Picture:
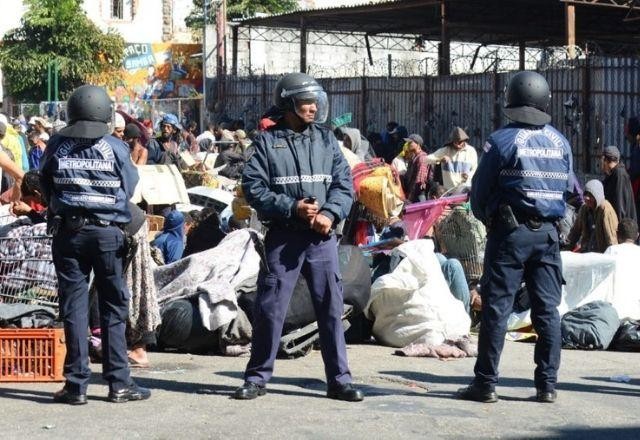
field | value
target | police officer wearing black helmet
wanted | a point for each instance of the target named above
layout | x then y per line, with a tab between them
87	181
519	192
300	185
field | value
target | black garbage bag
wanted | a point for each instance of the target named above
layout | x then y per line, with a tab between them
182	328
627	337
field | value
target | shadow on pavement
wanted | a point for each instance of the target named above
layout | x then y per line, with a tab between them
621	389
587	432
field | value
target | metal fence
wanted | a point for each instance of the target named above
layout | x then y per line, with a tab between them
591	99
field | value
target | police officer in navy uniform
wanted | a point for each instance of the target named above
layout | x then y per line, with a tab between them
87	181
300	185
519	192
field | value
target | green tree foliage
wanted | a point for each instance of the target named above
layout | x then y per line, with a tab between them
58	30
237	9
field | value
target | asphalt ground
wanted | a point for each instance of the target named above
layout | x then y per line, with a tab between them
405	398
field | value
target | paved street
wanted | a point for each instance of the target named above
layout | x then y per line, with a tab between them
406	398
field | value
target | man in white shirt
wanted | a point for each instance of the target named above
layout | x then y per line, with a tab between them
459	160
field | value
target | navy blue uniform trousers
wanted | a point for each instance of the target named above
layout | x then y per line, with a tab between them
288	254
75	254
510	257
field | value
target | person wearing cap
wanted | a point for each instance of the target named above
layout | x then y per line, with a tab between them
419	173
36	151
617	184
87	181
459	160
299	183
37	123
596	225
519	192
131	136
164	150
118	126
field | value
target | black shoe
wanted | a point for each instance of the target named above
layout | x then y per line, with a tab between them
132	392
477	394
65	396
249	391
546	396
346	392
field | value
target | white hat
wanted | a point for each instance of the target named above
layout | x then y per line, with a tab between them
118	121
46	123
58	124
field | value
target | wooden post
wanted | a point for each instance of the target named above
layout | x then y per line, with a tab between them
363	105
444	67
522	49
586	117
570	24
234	48
303	46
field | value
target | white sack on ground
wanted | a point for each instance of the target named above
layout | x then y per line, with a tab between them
414	301
589	277
213	276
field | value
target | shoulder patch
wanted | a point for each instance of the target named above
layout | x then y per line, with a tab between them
487	146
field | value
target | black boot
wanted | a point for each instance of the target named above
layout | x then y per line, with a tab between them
249	391
346	392
132	392
477	394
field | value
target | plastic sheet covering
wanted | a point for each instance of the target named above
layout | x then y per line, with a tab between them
589	277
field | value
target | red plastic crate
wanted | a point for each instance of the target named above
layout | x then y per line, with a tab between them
32	355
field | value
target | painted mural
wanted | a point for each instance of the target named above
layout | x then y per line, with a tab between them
160	71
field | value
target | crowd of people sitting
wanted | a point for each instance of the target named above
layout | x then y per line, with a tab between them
605	212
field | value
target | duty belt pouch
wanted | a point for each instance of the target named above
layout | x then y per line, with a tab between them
507	218
74	222
54	224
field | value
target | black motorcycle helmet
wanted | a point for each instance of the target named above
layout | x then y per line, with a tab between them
298	87
88	113
527	98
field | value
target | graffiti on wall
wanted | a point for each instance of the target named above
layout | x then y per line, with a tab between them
160	71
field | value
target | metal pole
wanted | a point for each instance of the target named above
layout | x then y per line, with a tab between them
56	69
49	81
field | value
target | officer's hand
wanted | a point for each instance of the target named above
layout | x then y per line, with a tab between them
321	224
306	211
20	208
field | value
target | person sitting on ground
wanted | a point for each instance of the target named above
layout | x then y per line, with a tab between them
451	268
171	240
617	184
31	203
205	234
627	238
352	140
459	160
597	222
132	137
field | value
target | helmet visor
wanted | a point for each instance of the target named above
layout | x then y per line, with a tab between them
317	98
